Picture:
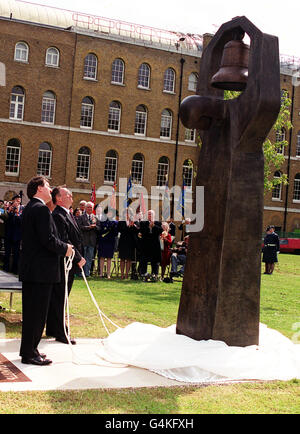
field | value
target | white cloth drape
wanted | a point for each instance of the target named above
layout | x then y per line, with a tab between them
181	358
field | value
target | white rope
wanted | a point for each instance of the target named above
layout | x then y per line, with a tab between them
68	262
101	314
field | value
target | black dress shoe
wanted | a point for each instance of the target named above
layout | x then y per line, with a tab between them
64	340
38	360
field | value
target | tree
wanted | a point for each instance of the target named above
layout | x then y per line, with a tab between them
273	154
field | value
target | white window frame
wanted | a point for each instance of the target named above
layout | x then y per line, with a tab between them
162	172
169	80
193	80
17	100
48	108
117	72
188	171
140	125
110	167
44	160
190	135
15	151
296	191
277	189
90	67
144	76
166	124
114	117
137	169
280	137
87	114
83	161
52	57
298	145
21	53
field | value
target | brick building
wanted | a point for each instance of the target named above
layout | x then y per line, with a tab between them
88	100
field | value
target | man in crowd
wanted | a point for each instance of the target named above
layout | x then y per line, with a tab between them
39	267
82	205
89	229
70	233
178	257
149	232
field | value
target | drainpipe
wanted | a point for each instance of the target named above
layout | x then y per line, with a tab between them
289	162
177	129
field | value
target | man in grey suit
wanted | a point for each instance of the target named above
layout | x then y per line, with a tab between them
68	232
89	226
39	267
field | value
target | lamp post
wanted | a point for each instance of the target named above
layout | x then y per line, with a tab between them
182	60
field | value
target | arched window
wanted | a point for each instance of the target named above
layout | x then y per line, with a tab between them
280	137
21	52
187	173
276	191
111	164
87	112
296	195
162	171
90	67
298	145
16	108
140	120
114	116
137	169
44	159
13	154
52	57
193	79
117	71
48	108
144	76
169	80
83	164
166	124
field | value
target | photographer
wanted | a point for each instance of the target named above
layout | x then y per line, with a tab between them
179	257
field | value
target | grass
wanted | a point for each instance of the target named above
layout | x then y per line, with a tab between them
157	303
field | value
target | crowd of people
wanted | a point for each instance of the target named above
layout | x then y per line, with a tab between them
139	243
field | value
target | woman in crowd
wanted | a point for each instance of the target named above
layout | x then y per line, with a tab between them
166	242
107	241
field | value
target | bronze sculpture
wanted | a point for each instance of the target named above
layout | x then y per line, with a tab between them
221	286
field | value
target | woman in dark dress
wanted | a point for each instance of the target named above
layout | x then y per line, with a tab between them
127	245
106	246
270	249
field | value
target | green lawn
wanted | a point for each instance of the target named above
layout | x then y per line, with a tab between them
157	303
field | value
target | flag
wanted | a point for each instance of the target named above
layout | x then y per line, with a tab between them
128	193
93	194
180	204
166	203
141	206
93	197
112	202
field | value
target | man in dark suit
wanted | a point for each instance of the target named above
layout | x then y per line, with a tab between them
39	267
149	232
68	232
89	226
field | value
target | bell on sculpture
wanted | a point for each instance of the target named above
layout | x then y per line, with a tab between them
233	73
